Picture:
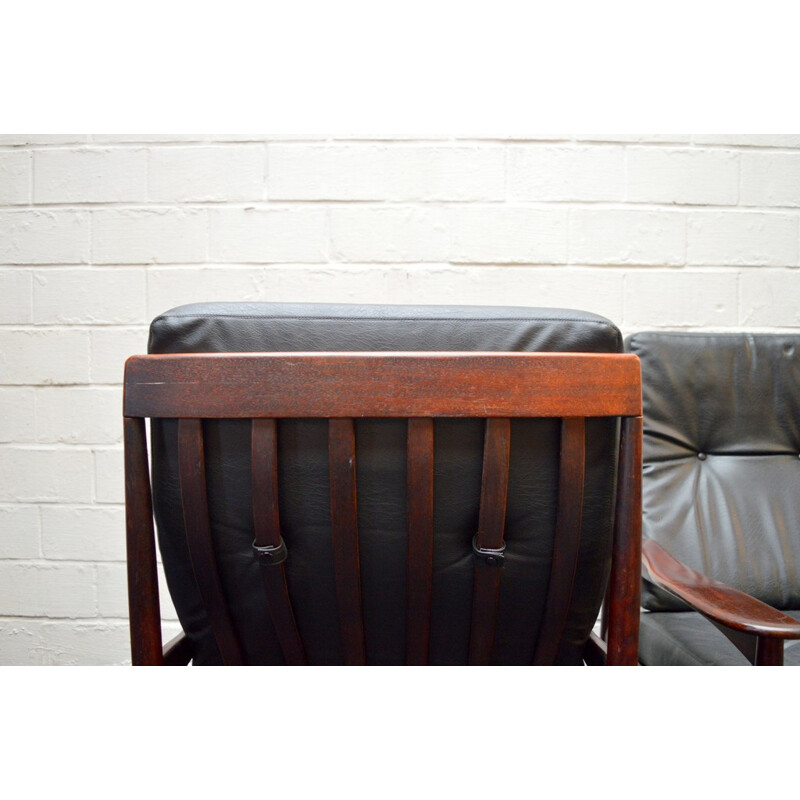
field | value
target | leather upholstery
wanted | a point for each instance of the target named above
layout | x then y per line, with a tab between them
380	461
685	638
721	466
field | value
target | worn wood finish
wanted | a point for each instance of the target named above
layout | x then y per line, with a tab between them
625	581
715	600
419	578
192	471
143	604
567	538
382	385
344	533
267	528
491	527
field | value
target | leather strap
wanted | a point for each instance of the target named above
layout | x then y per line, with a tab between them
269	544
488	545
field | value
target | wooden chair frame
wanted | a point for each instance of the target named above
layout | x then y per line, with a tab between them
419	387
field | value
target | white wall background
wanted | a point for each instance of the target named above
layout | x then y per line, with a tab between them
99	234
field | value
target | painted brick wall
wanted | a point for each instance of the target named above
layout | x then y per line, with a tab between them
98	234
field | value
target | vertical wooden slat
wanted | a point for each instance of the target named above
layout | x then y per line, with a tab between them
266	523
625	581
344	532
567	539
191	466
491	526
143	604
419	579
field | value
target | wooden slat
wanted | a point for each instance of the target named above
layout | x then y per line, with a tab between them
567	538
344	532
382	385
625	581
420	539
191	467
491	526
143	604
266	522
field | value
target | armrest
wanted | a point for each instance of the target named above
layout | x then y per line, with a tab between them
717	601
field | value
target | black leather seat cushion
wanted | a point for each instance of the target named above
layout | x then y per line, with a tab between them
721	466
685	638
304	499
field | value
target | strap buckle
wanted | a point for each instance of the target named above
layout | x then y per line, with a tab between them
487	556
271	555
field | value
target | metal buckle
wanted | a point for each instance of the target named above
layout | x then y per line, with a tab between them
487	556
271	555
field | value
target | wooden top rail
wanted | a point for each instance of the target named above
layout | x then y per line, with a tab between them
429	384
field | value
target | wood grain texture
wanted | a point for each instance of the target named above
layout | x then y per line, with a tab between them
344	532
625	582
267	528
491	527
567	539
419	580
718	601
381	385
191	468
143	601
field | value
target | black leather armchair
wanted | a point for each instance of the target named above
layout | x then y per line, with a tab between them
372	576
721	494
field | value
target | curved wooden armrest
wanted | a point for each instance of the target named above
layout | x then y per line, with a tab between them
178	651
717	601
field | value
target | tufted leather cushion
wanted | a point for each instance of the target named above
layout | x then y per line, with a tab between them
380	461
721	466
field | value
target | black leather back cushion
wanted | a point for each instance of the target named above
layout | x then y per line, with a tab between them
721	465
381	474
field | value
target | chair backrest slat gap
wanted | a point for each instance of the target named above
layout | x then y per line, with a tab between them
419	579
266	524
491	527
567	538
194	499
344	533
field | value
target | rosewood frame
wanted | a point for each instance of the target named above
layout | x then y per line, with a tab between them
415	386
756	629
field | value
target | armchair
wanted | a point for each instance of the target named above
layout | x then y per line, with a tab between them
384	485
721	508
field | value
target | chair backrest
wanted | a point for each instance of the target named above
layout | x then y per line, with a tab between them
721	466
451	507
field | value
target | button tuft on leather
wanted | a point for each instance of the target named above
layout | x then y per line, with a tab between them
702	456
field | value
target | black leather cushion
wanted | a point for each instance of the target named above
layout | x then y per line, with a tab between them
675	638
721	465
380	461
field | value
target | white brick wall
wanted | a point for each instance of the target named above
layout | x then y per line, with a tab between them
99	234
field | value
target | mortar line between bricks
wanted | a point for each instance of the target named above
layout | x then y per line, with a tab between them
456	141
281	204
